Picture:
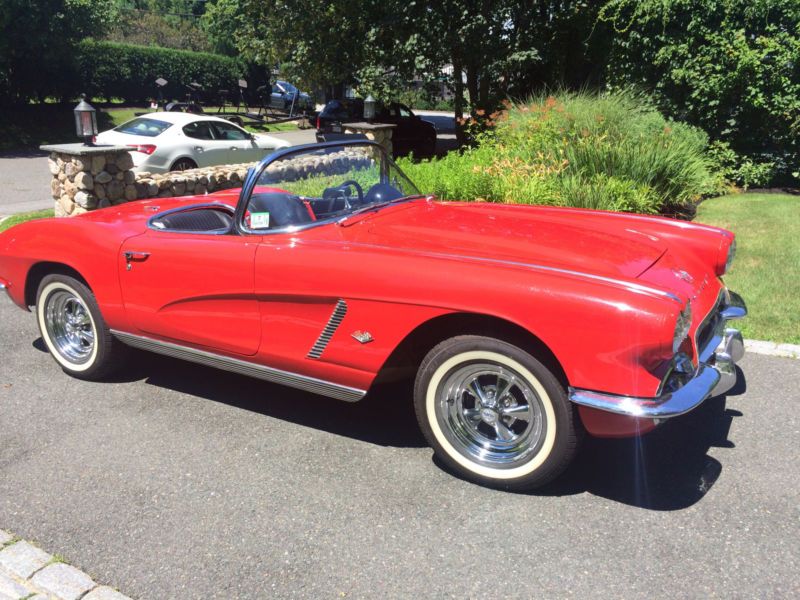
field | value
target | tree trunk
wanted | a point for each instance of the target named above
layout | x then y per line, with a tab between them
472	86
458	99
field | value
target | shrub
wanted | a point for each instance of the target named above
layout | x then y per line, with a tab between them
738	169
128	72
605	151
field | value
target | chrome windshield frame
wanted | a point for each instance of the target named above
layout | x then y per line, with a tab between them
254	174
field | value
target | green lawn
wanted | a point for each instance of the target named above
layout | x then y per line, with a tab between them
766	271
21	218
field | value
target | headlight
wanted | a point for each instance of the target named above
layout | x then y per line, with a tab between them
682	327
731	255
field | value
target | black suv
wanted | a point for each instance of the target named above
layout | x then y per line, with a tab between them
411	133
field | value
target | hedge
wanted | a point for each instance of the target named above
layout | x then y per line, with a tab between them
128	72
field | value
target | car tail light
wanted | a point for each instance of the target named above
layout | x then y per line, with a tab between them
94	139
145	148
318	122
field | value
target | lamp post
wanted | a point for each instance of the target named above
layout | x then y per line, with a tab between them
369	109
85	121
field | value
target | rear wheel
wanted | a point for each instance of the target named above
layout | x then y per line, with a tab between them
74	330
183	164
494	413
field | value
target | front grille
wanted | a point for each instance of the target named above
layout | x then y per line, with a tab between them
707	329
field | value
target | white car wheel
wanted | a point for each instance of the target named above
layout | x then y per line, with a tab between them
74	330
494	413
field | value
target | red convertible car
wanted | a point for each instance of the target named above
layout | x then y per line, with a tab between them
524	326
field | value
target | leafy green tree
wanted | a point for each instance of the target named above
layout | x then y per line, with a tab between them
317	43
731	67
221	21
37	44
155	29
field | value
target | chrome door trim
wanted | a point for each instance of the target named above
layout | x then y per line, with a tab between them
234	365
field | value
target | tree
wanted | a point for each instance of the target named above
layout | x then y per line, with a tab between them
37	44
731	67
154	29
316	43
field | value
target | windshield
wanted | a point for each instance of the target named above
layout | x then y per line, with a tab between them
322	184
145	127
287	86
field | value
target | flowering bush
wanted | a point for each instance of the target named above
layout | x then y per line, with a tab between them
606	151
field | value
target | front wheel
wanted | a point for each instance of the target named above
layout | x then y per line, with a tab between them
74	330
494	413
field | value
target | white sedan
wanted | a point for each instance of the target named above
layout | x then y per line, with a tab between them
176	141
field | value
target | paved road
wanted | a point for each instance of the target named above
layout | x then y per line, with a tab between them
24	183
181	482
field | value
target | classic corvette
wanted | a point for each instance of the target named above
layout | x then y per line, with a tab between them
525	326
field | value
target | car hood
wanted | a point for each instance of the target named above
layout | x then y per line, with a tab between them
514	234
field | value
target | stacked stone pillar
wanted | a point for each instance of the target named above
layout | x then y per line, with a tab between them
89	177
380	133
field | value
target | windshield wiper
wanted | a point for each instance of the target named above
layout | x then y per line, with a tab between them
377	206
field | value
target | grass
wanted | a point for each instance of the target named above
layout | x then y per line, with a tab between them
26	128
766	271
21	218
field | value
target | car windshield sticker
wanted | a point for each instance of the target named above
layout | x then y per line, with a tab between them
259	220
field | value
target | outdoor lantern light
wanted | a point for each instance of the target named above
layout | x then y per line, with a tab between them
85	120
369	108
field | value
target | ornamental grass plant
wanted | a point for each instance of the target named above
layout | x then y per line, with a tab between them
607	151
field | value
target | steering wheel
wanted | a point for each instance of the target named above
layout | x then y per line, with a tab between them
359	190
343	188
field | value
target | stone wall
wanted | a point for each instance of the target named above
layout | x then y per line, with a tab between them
88	178
84	182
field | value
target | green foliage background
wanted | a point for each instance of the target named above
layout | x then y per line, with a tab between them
731	67
128	72
605	151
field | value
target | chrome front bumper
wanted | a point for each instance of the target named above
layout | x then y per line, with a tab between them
715	373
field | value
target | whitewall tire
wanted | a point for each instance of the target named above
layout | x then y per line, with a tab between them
494	413
73	328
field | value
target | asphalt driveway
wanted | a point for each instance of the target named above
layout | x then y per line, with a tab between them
177	481
24	182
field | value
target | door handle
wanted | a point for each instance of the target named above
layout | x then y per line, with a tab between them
198	148
132	257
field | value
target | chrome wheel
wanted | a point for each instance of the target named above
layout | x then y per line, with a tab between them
490	414
69	326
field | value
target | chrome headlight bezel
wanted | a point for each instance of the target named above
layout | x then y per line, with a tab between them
682	326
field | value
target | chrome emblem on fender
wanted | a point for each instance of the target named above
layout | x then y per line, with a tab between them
365	337
681	274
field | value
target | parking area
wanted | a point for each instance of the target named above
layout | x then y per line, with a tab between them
177	481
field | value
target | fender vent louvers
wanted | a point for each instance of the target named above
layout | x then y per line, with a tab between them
327	333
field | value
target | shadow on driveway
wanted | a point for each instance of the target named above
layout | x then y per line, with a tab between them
668	469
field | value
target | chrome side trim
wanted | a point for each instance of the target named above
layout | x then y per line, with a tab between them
226	363
339	311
